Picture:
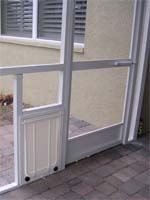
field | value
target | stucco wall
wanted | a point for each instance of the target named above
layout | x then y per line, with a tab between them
97	96
108	29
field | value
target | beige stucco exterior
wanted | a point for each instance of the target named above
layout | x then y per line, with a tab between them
97	95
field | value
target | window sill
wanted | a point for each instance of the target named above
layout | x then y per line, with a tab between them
51	44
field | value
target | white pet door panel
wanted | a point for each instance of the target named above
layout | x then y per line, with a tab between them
42	145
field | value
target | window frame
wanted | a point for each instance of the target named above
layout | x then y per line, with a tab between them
56	44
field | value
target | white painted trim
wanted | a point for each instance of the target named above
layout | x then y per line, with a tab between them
30	69
37	42
141	73
35	19
136	28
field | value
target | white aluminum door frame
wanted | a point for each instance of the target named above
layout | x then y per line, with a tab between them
134	53
144	53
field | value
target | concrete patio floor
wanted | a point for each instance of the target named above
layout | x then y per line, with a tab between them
120	173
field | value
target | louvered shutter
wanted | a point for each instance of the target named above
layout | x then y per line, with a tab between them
17	17
50	19
80	19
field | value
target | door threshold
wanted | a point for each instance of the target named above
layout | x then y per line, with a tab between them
8	188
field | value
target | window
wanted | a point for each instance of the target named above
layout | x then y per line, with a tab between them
17	18
50	19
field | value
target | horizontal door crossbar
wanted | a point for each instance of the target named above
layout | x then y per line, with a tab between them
42	110
77	66
14	70
100	64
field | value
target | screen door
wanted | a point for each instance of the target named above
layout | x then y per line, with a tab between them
78	103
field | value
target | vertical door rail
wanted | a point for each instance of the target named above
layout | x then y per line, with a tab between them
141	72
18	137
137	19
66	58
